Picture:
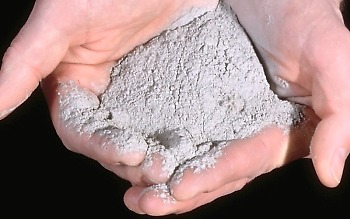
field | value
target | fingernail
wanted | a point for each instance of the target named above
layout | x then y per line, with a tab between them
337	164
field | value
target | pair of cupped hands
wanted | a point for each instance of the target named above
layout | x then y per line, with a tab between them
303	45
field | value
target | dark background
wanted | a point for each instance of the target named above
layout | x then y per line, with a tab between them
40	177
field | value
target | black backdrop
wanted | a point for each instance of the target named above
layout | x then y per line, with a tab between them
40	177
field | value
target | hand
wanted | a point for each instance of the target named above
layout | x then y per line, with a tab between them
300	56
305	48
69	52
241	162
79	40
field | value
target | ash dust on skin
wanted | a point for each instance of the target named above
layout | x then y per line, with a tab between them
76	185
183	94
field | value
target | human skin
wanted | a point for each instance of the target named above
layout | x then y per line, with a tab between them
102	31
83	51
304	45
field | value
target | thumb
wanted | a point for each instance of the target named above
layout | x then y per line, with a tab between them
330	147
33	54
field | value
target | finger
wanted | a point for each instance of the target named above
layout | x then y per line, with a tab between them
129	173
152	170
92	77
330	145
73	102
157	201
275	149
330	148
161	160
243	160
133	174
33	54
157	168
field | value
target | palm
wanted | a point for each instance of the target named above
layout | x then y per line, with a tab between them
97	39
80	32
78	40
93	44
303	46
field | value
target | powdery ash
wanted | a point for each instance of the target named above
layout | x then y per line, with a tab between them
184	93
